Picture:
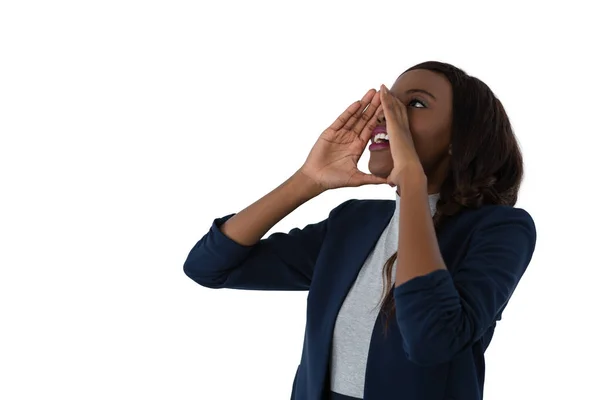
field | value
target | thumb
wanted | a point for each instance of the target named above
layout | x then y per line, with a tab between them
360	178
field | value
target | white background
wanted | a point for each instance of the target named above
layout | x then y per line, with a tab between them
128	126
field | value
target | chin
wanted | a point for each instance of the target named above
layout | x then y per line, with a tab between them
381	171
381	165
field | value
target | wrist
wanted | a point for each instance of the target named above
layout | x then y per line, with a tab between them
305	185
412	176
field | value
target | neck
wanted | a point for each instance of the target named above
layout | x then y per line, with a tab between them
433	187
430	190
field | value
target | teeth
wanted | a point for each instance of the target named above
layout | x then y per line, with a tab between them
378	138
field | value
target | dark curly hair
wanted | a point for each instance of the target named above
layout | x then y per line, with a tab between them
486	165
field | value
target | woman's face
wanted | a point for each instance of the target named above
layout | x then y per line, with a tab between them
428	98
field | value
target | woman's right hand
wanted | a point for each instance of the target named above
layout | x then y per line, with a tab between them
332	162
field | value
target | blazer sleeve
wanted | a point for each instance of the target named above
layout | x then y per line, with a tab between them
440	315
282	261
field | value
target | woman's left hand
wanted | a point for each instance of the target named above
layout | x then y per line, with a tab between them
402	145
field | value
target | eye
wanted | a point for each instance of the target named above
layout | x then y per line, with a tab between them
417	101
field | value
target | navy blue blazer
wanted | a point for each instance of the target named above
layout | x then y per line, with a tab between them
444	320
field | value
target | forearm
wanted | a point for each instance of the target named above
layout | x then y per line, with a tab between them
249	225
419	252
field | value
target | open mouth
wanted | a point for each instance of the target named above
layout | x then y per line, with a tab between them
380	138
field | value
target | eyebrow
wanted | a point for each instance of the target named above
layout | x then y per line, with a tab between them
421	91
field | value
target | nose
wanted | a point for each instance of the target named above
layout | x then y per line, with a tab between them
380	119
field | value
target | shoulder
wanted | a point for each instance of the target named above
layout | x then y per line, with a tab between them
498	224
493	215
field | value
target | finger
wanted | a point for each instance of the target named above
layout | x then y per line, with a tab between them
367	130
360	178
391	106
345	116
392	101
352	109
367	114
386	101
365	101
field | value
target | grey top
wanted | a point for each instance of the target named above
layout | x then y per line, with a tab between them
355	321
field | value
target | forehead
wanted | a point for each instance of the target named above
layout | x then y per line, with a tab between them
433	82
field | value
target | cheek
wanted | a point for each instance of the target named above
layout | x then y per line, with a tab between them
430	138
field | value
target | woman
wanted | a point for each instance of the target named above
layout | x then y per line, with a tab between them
404	295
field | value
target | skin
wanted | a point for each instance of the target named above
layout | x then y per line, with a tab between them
430	121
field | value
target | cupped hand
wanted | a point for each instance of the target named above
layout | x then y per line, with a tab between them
332	162
402	145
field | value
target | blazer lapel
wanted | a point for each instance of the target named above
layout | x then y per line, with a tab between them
350	240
